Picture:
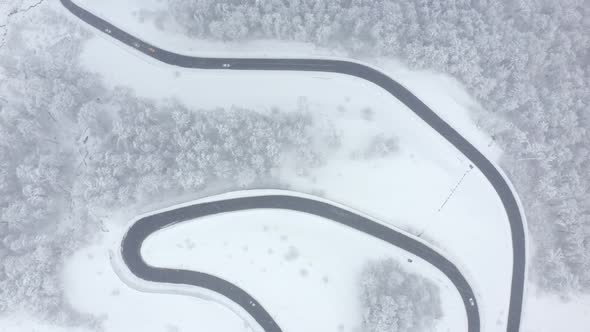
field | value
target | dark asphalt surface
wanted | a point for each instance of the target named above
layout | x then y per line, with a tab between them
138	232
342	67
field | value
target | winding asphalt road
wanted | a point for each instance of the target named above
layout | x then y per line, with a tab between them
137	233
143	228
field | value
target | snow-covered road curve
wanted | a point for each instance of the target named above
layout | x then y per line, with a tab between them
152	223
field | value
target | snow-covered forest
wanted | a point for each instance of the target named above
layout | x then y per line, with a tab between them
71	148
525	61
395	300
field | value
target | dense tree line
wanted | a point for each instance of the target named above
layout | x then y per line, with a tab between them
37	94
137	149
526	61
394	300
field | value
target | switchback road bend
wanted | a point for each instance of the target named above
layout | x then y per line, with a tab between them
143	228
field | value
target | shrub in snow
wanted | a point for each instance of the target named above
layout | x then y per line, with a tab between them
394	300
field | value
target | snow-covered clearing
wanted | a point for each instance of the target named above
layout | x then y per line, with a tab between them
406	190
95	287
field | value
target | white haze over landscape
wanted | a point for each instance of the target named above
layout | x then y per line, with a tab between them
332	136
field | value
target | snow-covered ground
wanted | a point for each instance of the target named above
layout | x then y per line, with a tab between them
406	190
95	287
549	313
25	323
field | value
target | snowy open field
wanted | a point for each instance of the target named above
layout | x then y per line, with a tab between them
406	189
95	287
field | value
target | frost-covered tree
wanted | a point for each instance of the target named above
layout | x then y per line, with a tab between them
166	147
395	300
